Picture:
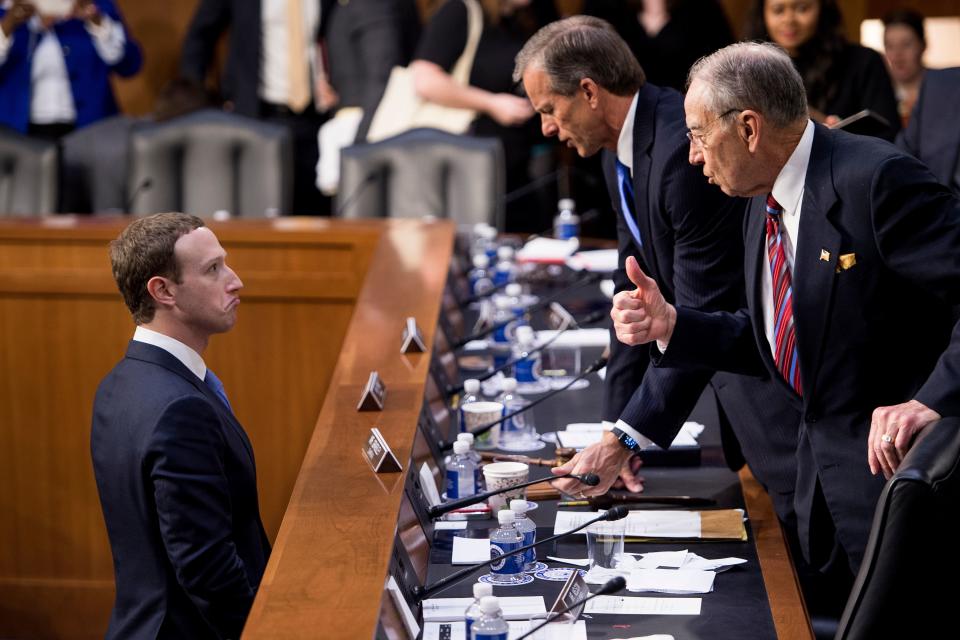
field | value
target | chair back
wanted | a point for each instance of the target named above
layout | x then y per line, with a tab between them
28	175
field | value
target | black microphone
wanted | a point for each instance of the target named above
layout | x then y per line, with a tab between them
542	304
596	316
598	364
353	195
437	510
612	585
145	185
419	593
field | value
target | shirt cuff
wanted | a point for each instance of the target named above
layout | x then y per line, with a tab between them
5	43
662	345
108	39
643	441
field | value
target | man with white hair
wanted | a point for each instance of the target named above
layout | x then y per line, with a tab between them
852	250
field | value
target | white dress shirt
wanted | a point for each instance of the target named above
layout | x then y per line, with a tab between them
190	358
51	97
625	156
788	192
274	48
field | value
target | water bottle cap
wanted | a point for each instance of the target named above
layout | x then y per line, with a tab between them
509	385
502	302
490	604
479	227
519	506
482	589
524	333
481	261
488	233
513	290
505	253
460	447
506	517
466	437
471	386
567	204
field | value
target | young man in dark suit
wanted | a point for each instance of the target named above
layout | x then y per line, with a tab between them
174	467
851	254
591	93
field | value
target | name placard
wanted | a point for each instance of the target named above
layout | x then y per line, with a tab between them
412	338
559	318
574	590
374	394
378	455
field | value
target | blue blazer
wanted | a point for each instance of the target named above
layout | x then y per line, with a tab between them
693	247
178	487
873	328
89	75
933	133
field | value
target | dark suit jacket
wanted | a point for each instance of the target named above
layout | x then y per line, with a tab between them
933	134
178	487
861	197
692	247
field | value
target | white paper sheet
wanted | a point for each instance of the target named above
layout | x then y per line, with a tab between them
470	550
579	562
576	337
670	581
432	631
428	485
694	561
629	605
547	250
640	524
409	620
567	520
655	559
580	435
513	607
598	260
442	525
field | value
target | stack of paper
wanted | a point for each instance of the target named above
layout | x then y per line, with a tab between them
548	250
601	260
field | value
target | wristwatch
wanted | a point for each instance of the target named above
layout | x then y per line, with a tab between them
626	440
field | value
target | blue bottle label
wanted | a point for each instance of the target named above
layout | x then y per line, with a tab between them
500	360
524	371
530	555
568	230
453	484
489	636
508	565
500	277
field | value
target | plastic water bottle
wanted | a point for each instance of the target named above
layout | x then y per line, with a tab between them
527	368
512	430
506	538
473	613
491	625
462	473
502	344
514	293
477	460
505	270
471	393
527	529
566	224
479	278
485	240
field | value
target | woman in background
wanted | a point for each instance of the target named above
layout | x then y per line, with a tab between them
904	43
501	112
841	78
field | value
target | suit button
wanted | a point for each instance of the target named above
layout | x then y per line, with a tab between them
811	418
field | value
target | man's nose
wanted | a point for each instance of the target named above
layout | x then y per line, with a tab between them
548	126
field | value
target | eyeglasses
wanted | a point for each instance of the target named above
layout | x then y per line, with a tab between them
698	138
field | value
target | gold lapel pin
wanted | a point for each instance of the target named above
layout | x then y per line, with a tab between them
824	255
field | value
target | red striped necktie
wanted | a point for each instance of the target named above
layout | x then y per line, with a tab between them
784	333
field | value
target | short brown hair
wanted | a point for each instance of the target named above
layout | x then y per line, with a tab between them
144	250
580	47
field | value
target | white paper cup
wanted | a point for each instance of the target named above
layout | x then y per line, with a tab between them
505	474
479	414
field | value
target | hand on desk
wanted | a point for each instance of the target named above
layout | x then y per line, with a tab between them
609	460
642	315
901	423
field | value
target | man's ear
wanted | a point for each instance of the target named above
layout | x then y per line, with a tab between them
590	91
749	128
162	291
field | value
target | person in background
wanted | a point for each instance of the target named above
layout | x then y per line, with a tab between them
841	78
904	43
933	135
501	113
666	36
55	64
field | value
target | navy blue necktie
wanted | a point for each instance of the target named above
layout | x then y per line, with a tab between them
214	383
625	184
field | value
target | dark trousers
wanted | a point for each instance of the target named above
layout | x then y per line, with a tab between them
303	127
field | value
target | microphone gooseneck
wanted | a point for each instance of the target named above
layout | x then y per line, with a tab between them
437	510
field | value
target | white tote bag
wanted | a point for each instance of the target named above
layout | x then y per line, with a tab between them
401	109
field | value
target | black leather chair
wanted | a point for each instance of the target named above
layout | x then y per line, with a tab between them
907	586
209	161
28	175
424	172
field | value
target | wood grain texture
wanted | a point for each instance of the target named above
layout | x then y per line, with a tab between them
63	326
780	578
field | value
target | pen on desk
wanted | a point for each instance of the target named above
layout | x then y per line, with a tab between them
609	499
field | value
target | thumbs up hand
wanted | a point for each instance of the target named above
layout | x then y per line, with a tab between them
642	315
